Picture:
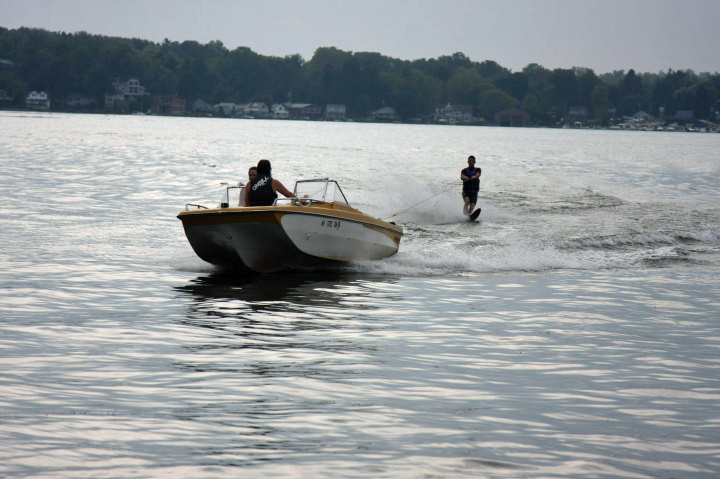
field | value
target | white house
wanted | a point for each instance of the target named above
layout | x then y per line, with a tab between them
131	87
37	100
228	109
201	106
279	111
386	113
6	64
453	114
257	110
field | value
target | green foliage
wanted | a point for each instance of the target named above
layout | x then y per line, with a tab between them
65	64
495	100
465	86
600	103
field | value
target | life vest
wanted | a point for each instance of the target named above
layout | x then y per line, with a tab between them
471	185
261	192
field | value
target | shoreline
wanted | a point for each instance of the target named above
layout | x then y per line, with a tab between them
672	128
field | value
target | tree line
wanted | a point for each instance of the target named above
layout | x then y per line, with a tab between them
64	64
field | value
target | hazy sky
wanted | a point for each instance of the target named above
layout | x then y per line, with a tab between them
605	35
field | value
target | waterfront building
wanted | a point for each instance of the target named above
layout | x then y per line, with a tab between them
168	105
37	100
278	111
386	113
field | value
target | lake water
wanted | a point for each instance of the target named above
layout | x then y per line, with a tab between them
574	331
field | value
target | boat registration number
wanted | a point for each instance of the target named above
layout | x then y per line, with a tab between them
331	224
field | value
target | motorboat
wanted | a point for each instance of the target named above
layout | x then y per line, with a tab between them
315	227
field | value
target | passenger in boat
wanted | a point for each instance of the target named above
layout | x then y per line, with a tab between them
252	174
471	185
263	190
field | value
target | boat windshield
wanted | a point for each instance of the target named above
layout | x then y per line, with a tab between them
320	190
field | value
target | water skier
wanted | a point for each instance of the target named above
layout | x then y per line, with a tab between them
471	185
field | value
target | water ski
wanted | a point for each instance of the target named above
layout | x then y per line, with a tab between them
474	215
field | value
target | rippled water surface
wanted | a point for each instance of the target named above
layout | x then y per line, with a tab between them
572	332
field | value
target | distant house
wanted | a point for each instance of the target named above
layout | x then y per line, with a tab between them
511	117
279	111
168	105
6	64
37	100
642	116
304	111
257	110
453	114
227	109
335	112
386	113
201	106
130	87
132	93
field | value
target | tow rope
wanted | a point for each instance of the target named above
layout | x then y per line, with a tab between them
421	202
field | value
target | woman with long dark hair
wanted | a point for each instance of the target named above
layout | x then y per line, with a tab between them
263	190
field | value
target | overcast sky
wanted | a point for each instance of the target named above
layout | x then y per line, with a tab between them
605	35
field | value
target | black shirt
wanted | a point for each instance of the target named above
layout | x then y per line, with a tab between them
261	192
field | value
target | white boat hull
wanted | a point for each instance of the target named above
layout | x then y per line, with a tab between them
337	239
273	238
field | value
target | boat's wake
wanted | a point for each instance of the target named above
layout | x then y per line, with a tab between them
422	257
572	228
